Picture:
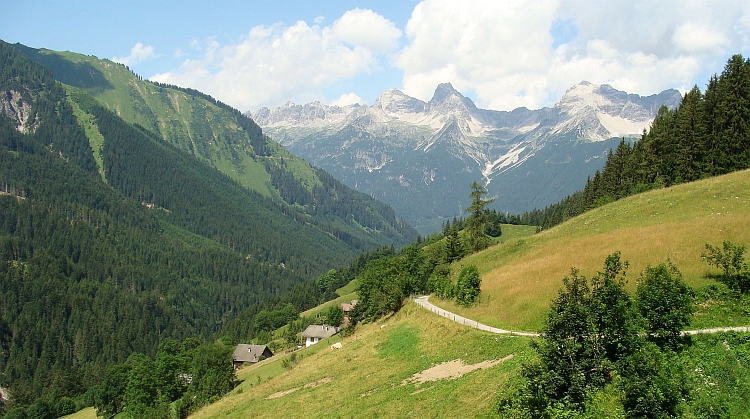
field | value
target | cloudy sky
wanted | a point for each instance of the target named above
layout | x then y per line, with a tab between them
502	54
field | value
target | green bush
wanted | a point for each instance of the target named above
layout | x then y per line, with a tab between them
467	287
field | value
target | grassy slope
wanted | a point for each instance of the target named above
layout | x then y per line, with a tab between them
521	277
87	413
190	123
367	373
346	293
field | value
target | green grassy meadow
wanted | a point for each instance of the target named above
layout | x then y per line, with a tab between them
346	293
366	377
188	122
87	413
369	376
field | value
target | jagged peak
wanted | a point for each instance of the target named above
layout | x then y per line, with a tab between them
446	93
586	95
442	92
396	101
392	94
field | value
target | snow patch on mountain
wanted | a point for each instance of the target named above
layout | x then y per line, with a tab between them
621	127
433	149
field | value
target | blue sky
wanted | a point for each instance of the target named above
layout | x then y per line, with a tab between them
503	54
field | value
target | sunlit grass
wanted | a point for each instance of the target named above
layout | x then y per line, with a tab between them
521	277
346	294
87	413
366	375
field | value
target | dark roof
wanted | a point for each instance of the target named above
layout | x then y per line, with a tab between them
319	331
250	353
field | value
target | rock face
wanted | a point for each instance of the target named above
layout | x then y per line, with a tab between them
17	111
420	157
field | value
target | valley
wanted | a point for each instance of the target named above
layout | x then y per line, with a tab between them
147	229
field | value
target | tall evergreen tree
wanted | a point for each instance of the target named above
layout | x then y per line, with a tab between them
690	129
476	223
453	247
733	118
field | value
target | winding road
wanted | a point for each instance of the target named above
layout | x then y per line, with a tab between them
423	302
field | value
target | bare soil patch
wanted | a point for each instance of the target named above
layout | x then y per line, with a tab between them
450	370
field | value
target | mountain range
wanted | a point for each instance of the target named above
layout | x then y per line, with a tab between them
420	157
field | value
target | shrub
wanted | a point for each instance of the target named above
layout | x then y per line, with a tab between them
467	287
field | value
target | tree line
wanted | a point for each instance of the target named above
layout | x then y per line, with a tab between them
706	135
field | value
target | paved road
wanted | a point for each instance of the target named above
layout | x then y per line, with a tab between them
717	330
422	301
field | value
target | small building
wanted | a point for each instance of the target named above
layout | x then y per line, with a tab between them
250	354
347	307
317	332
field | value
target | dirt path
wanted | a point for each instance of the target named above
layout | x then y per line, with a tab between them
422	302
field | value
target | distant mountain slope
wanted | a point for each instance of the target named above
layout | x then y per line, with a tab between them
232	143
112	239
420	156
88	274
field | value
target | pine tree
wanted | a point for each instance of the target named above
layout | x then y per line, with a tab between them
476	223
453	248
733	118
690	131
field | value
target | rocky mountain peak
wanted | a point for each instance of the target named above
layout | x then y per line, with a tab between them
449	100
581	96
443	91
396	102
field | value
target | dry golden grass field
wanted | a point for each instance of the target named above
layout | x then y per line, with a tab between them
521	277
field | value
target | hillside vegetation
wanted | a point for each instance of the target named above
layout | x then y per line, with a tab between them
370	375
113	240
231	143
519	279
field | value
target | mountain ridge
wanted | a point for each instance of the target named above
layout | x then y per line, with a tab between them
402	146
231	143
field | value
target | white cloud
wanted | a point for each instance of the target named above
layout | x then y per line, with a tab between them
273	64
367	29
506	53
691	38
138	54
347	99
493	48
503	51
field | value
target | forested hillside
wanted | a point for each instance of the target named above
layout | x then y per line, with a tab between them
232	143
113	240
707	135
